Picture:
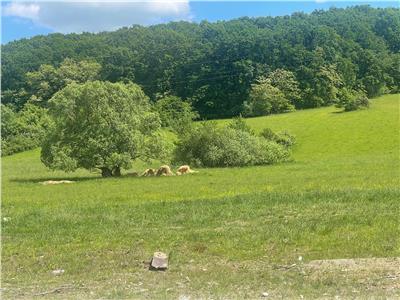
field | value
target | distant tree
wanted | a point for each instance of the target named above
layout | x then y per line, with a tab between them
265	99
45	82
325	87
175	113
328	83
78	71
394	72
15	98
373	74
286	82
214	64
348	72
101	125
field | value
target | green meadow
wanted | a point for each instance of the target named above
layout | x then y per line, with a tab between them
229	232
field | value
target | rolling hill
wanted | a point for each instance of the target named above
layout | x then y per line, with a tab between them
229	232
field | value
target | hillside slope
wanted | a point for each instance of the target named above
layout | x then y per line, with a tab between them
231	233
329	133
214	64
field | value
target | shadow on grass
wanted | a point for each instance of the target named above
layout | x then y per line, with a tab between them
75	179
338	112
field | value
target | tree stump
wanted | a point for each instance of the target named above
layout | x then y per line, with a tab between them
159	262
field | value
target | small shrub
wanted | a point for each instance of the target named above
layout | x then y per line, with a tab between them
207	145
286	139
265	99
283	138
268	134
239	123
351	100
17	144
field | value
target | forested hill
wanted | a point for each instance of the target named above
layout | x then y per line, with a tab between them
214	64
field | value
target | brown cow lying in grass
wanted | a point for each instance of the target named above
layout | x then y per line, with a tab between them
161	171
149	172
185	169
165	170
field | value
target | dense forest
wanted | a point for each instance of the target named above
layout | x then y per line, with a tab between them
213	65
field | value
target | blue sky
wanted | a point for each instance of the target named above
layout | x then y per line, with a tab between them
25	19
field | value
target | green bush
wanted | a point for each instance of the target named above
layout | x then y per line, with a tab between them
239	123
351	100
265	99
17	144
208	145
23	130
268	134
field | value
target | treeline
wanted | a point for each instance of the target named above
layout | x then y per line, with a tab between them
213	65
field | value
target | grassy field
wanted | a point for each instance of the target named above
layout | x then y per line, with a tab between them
230	233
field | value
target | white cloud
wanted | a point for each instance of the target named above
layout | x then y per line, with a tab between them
23	10
100	15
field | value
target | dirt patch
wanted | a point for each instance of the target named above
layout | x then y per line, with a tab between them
373	274
372	278
357	264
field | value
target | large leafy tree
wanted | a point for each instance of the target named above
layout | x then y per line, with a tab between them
101	125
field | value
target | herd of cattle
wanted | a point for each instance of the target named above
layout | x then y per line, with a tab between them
165	171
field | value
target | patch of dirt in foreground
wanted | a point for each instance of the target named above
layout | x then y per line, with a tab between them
372	273
357	264
359	278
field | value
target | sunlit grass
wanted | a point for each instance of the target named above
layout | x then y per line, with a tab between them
225	229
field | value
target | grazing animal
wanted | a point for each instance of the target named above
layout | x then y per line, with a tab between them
164	171
185	169
50	182
149	172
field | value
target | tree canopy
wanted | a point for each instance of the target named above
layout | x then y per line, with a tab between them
213	65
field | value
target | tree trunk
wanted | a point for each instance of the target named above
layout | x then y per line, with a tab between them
117	172
106	172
